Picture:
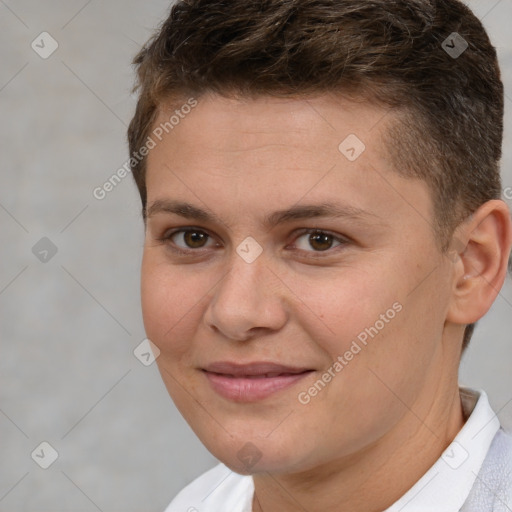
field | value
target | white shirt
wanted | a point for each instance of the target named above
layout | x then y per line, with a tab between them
474	474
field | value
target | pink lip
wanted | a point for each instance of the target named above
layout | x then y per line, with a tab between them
252	382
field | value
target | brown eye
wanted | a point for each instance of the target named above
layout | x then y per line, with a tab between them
317	240
195	239
188	239
320	241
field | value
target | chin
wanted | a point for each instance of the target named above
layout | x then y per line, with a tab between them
253	455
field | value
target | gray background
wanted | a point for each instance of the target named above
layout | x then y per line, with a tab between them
68	326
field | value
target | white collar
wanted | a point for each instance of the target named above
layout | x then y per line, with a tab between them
443	488
447	484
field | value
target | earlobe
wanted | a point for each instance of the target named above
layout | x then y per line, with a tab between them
483	246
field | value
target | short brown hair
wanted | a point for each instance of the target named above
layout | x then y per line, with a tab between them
395	53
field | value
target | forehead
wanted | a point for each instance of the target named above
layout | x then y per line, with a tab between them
268	134
264	151
233	123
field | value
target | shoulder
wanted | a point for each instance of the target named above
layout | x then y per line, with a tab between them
493	485
500	456
218	489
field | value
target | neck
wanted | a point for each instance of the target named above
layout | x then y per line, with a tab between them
372	480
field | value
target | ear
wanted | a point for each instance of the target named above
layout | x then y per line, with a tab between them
482	247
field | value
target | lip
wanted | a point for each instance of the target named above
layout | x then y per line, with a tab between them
253	381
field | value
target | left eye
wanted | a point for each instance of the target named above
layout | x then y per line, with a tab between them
318	240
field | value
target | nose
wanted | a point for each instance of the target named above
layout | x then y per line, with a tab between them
248	301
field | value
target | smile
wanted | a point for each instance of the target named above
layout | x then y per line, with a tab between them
252	382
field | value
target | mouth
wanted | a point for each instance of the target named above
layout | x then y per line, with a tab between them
252	382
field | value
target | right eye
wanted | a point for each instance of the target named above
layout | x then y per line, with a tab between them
191	240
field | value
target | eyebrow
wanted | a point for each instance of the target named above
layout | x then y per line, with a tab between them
296	212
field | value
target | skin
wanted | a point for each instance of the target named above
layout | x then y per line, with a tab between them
301	306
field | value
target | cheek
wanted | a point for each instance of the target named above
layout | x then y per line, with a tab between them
387	338
388	308
171	303
367	321
355	306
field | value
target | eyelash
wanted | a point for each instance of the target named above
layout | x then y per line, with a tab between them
166	239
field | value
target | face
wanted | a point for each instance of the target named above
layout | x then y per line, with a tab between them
290	279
